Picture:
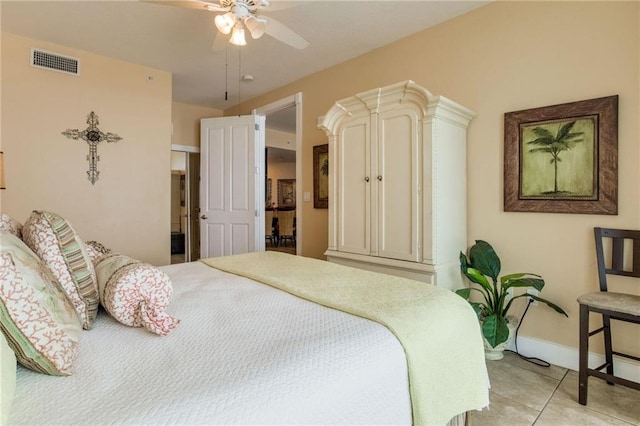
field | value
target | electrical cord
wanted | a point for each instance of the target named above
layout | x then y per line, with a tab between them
533	360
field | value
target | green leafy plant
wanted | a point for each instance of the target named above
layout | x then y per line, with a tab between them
484	264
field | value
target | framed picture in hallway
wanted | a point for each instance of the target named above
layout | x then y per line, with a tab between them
268	191
286	193
562	158
321	176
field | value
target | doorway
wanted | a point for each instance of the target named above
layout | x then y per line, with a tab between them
283	174
185	202
280	207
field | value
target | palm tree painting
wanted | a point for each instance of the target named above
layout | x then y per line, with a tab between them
559	159
321	176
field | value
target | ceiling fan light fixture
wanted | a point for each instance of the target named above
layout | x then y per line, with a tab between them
256	26
224	23
237	37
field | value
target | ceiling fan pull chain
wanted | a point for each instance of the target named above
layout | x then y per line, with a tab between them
226	72
239	76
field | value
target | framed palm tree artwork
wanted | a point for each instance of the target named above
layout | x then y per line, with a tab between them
321	176
562	158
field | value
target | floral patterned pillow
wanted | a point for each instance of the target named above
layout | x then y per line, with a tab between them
53	239
135	293
96	251
7	223
37	318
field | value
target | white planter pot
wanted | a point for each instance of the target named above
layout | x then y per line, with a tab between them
496	353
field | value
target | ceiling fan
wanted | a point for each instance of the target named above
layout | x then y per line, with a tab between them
233	16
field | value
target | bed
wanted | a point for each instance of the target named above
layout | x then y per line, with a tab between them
249	350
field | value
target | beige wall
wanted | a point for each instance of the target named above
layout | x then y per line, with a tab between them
128	207
186	122
504	57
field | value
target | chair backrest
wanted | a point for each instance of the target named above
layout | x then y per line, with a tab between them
268	218
286	222
619	262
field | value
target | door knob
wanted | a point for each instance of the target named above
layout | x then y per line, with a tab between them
380	178
204	216
366	179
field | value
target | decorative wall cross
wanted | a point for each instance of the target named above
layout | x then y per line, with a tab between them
93	136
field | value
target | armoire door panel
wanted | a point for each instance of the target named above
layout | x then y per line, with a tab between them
355	187
397	182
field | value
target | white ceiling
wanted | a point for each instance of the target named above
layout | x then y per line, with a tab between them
179	40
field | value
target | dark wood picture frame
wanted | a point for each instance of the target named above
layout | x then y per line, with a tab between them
269	192
286	193
562	158
321	176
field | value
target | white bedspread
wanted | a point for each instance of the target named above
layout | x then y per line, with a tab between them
244	353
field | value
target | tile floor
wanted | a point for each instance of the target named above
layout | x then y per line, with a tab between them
525	394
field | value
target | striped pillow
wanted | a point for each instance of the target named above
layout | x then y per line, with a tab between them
36	317
53	239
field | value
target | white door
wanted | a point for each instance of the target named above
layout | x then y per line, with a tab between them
232	171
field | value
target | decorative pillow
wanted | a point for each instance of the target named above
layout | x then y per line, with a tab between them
53	239
7	223
38	320
135	293
96	251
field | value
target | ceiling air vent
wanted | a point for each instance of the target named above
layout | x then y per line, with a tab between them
55	62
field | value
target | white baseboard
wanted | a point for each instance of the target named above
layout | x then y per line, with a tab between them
567	357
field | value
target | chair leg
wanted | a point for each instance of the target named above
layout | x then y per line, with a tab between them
606	322
584	355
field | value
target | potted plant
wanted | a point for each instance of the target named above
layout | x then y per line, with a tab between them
492	309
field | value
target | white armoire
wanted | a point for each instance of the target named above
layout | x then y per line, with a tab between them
397	183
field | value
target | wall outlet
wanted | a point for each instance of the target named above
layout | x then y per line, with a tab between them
534	292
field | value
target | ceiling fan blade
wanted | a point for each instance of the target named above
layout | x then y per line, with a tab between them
282	5
189	4
281	32
212	6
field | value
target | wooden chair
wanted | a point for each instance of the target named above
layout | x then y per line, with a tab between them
275	228
286	227
268	227
617	306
